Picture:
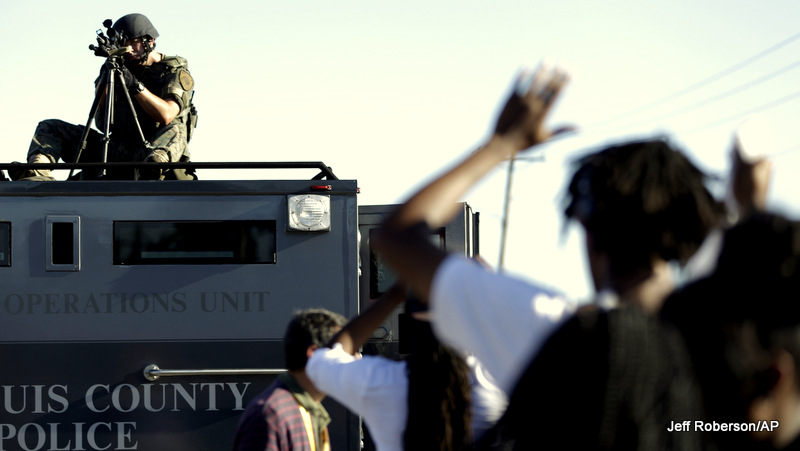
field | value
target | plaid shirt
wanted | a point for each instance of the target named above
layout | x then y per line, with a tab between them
274	421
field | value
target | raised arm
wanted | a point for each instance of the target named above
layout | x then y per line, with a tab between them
750	183
751	166
519	126
358	330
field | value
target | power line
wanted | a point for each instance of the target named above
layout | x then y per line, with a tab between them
715	98
691	88
742	114
787	151
701	83
722	121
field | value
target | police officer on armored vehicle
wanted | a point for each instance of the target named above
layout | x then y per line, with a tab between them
160	89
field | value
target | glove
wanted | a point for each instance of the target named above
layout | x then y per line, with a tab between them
134	86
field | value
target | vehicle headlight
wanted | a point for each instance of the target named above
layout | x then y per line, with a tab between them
309	212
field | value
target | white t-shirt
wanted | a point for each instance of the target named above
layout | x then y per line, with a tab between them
704	261
501	320
377	389
374	387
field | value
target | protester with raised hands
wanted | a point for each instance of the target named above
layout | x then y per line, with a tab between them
501	320
751	167
667	211
647	188
435	398
742	329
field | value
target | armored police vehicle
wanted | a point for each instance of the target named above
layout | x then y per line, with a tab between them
145	315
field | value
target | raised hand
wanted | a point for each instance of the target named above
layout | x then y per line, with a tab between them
522	119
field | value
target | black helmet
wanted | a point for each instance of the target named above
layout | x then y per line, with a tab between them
135	26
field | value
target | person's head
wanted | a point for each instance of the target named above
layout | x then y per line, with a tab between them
742	325
139	34
639	202
308	330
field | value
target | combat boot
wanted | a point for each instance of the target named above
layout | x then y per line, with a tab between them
158	156
34	174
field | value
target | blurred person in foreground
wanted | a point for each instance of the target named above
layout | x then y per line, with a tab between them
741	324
642	204
751	170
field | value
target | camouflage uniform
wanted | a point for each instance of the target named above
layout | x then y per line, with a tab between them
168	79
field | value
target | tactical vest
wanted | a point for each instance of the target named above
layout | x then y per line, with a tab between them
178	84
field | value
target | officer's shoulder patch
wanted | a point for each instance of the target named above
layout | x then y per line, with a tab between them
187	82
174	62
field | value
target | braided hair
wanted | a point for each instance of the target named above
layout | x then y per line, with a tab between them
439	412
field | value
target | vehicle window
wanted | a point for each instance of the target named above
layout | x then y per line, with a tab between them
5	244
194	242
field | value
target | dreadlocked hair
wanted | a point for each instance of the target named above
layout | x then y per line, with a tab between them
439	413
641	200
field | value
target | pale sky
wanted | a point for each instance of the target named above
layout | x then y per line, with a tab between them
391	93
